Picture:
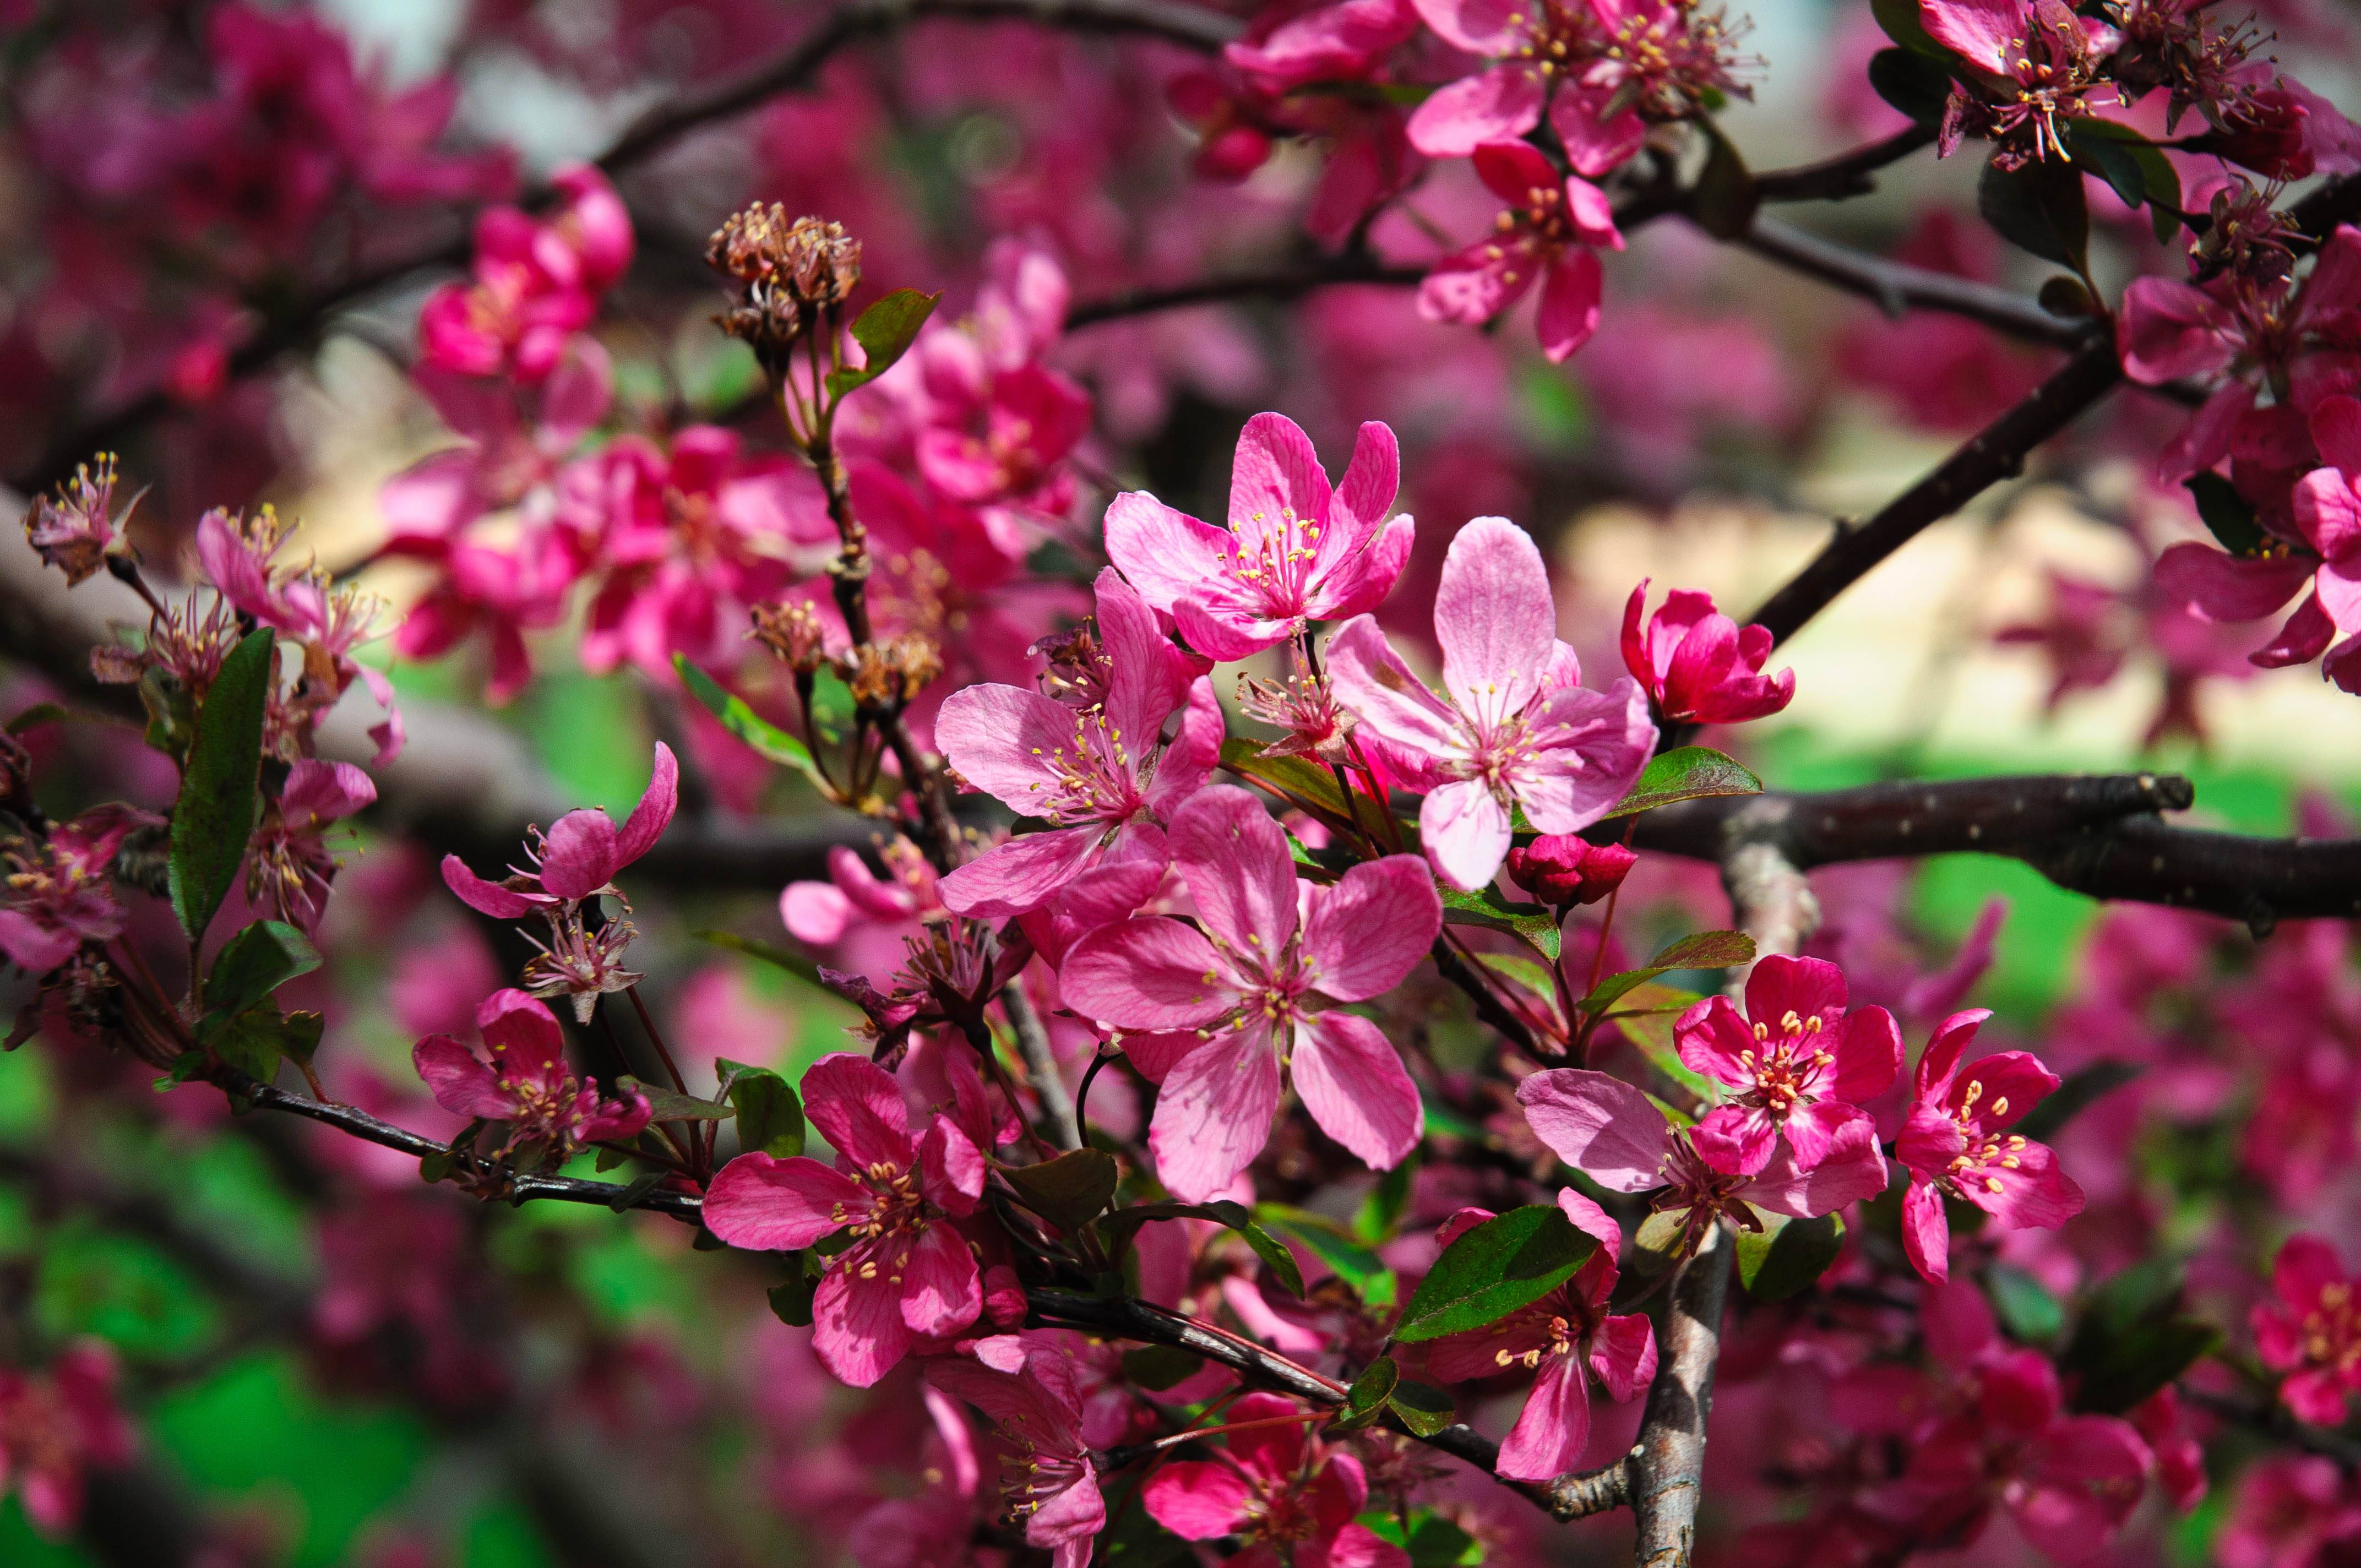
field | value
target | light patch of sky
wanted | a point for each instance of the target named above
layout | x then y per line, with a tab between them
411	38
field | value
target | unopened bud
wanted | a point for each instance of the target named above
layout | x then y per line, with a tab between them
792	632
1564	868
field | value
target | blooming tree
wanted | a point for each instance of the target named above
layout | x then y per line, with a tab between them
1327	1126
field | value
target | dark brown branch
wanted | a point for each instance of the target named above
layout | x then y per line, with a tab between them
1846	174
1897	288
1283	283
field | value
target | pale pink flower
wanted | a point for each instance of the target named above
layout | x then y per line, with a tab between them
1519	729
1803	1066
1295	551
74	529
527	1082
580	855
820	914
1568	1337
1547	234
1288	1497
1957	1144
1047	1478
1102	776
1224	1003
909	1273
1699	666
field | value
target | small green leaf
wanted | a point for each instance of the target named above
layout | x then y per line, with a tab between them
1686	773
770	1116
641	1186
793	963
791	1299
2039	208
253	964
1425	1410
1916	84
214	818
1704	949
1326	1240
1787	1255
1378	1219
1724	200
2086	1084
668	1105
253	1041
1366	1400
1901	21
885	331
2133	1339
1508	1262
2025	1305
41	713
1157	1367
765	737
2228	516
1651	1035
1532	924
2113	159
1313	786
1274	1253
1070	1190
1119	1226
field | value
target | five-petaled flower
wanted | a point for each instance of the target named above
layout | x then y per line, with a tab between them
1956	1144
1519	729
1228	1004
1803	1066
526	1083
2038	63
2311	1331
578	857
1567	1336
1548	232
1101	775
1034	1397
909	1274
1287	1497
60	893
1700	666
1296	550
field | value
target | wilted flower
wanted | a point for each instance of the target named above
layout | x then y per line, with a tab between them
74	529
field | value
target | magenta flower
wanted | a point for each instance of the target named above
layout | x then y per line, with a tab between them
1804	1066
1957	1144
1295	551
1568	1337
2038	63
1519	729
1241	985
820	914
74	529
909	1273
60	892
1006	437
1047	1479
578	858
535	285
513	442
1287	1497
1613	1134
1536	47
1344	41
1698	665
1547	231
2311	1331
1564	868
289	867
57	1426
527	1083
1102	776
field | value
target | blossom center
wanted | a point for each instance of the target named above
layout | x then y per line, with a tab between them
1983	1152
1274	558
1784	1071
1096	781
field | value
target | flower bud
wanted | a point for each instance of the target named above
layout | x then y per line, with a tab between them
792	632
1564	868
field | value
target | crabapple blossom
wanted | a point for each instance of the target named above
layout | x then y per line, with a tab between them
1286	1497
526	1083
1518	731
1797	1063
1226	1007
908	1274
1698	665
1295	550
74	529
1957	1144
1548	233
289	867
1047	1478
1562	869
2035	62
2311	1331
580	855
1538	47
59	893
1569	1336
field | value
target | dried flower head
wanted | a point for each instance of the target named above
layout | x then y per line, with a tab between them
792	632
74	529
886	674
791	270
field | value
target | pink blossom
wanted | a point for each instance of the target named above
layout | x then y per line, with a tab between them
578	858
1698	665
1345	41
2290	1510
820	914
1047	1481
537	284
60	891
2311	1331
289	867
1565	869
1565	1334
1797	1063
513	440
909	1273
1613	1134
1957	1144
1225	1003
2162	1422
504	592
1102	776
57	1426
2038	63
74	529
1295	551
1519	729
1287	1497
1547	233
1535	46
527	1083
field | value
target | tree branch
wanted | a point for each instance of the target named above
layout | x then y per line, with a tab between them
1846	174
1667	1464
1897	288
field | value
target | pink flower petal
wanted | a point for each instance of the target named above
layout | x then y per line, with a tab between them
856	1105
1352	1084
857	1328
578	855
1197	1499
1213	1115
1021	874
1365	933
1466	832
1371	678
941	1290
1494	618
484	897
1550	1434
459	1080
1277	472
1600	1125
1624	1355
1151	972
1569	311
654	812
1498	105
779	1205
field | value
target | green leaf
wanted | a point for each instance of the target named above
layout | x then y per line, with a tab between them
641	1186
2228	516
1366	1400
1274	1253
2025	1305
793	963
669	1105
2133	1339
1917	84
1725	199
1329	1242
885	331
1119	1226
2039	208
1425	1410
1378	1219
1307	782
1431	1541
770	1116
791	1300
1704	949
1070	1190
765	737
2042	1122
1651	1035
2113	159
1787	1255
1686	773
41	713
1532	924
253	964
214	815
1902	23
253	1041
1508	1262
